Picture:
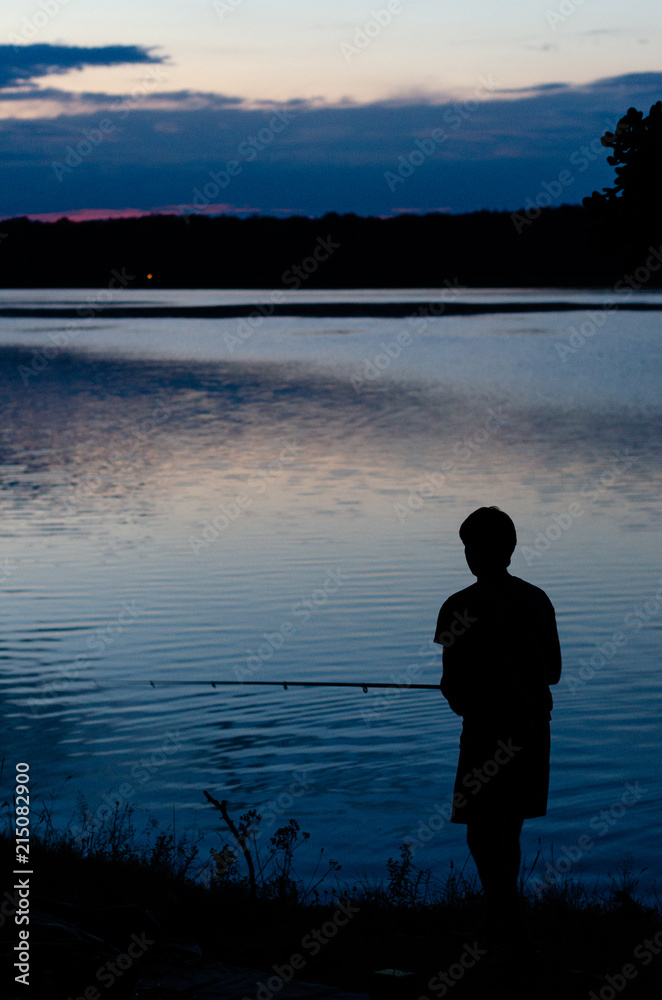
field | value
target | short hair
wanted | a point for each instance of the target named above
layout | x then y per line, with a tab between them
489	528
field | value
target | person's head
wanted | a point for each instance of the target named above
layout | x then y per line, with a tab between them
489	539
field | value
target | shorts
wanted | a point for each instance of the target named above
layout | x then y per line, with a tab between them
502	773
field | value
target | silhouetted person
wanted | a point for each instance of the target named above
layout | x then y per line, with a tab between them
501	653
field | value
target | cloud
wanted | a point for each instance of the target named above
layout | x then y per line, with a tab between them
86	102
603	31
651	81
541	46
167	149
536	88
20	64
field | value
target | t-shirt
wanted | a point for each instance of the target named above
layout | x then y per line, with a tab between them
501	651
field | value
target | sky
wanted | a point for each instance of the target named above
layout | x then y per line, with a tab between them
305	106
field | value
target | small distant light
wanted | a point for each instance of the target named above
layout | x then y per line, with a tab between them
149	276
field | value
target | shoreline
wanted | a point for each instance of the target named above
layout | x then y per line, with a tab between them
378	310
143	911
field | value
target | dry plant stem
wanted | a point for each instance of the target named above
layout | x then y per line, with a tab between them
222	807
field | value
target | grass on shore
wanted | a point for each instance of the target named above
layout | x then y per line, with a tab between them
110	879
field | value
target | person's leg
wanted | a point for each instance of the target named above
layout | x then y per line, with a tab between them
510	834
494	846
483	842
512	856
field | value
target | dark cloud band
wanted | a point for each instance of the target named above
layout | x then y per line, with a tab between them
20	64
208	153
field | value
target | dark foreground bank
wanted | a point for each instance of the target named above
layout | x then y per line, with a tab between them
110	919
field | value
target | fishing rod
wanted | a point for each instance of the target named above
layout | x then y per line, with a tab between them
286	684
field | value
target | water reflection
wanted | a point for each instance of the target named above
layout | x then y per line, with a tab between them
119	483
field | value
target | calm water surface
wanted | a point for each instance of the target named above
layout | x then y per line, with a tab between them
197	500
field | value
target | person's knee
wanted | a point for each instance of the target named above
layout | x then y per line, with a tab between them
508	831
478	830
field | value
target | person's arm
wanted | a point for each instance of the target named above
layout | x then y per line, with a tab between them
449	685
553	647
450	680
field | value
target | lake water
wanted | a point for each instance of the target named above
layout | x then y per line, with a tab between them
188	500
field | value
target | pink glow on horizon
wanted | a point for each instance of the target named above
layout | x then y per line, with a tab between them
90	214
87	214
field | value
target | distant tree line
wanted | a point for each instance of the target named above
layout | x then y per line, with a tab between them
335	251
591	245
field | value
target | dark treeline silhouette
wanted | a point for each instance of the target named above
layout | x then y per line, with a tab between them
590	245
628	215
548	247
